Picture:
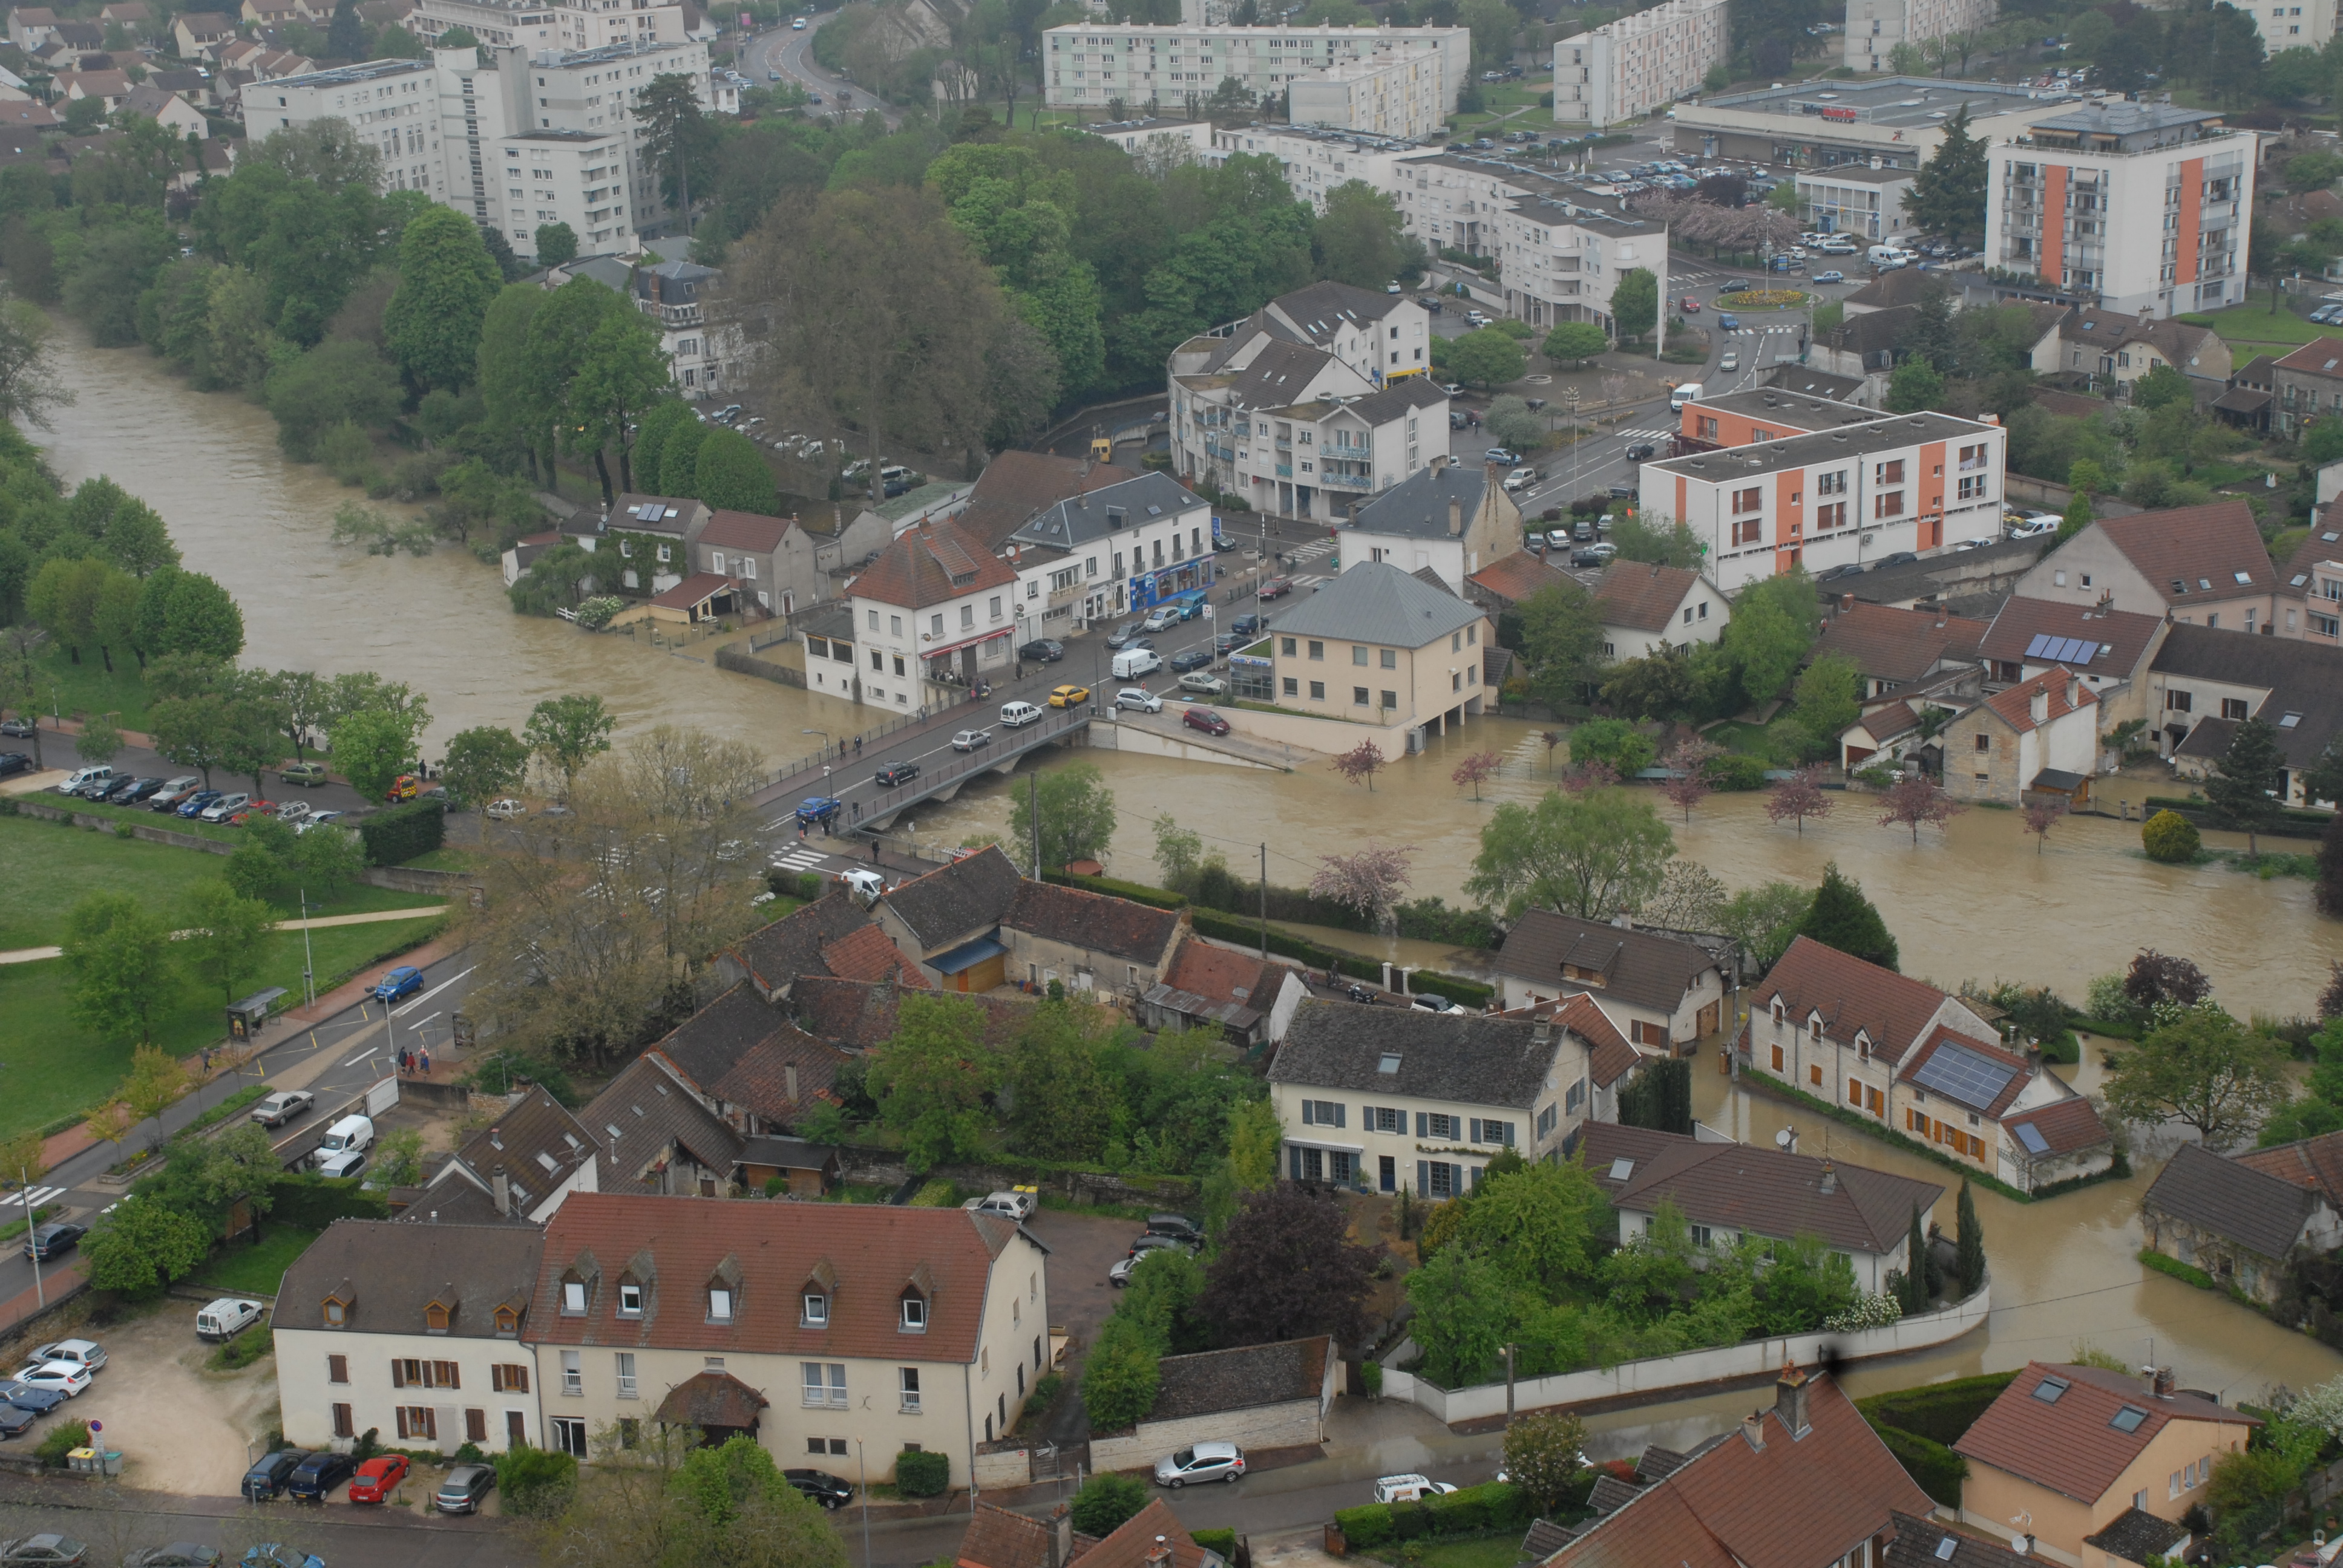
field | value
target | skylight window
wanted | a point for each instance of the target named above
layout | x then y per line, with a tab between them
2049	1390
2127	1419
2207	583
1947	1547
1621	1169
2290	720
2245	578
1390	1063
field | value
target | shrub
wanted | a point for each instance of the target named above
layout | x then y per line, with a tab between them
939	1193
922	1474
243	1350
1371	1378
61	1439
1734	770
399	835
2170	838
1223	1542
313	1201
536	1483
1455	987
1105	1502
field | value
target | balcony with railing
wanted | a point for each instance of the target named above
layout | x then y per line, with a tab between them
1221	449
1348	481
1285	470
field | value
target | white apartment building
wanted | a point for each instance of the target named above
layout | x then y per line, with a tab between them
1400	92
576	177
1920	482
394	105
933	608
2146	205
1865	200
554	24
1315	161
1624	69
1089	64
1874	27
2290	27
1112	551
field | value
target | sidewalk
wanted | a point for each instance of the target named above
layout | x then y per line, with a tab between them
33	955
56	1284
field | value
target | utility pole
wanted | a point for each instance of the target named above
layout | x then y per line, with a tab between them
1509	1388
1264	902
1033	798
32	1236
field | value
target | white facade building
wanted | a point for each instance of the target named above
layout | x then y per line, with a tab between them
393	104
1111	551
1399	93
1919	482
563	24
1089	64
2290	27
1874	27
2146	205
1624	69
1863	200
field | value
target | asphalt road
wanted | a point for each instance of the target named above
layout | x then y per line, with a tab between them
790	52
114	1522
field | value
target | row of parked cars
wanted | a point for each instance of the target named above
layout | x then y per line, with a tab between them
187	796
307	1476
51	1549
52	1374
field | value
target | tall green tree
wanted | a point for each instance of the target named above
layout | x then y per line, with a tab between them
1773	623
2245	783
2204	1070
1562	641
1487	357
222	936
558	333
1968	1243
1841	918
373	747
1635	303
1360	239
346	37
507	390
557	244
932	1076
731	475
567	732
447	281
1590	855
676	133
666	417
483	763
1948	194
118	962
1065	1104
1076	814
622	372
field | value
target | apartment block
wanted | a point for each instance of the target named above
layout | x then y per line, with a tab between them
394	105
1400	92
1088	64
2146	205
2290	27
1918	482
557	24
1624	69
1874	27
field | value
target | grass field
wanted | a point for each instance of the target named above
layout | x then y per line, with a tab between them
1488	1552
87	689
255	1270
58	1068
2256	324
48	868
1735	736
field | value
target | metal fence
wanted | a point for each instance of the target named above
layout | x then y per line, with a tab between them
1005	744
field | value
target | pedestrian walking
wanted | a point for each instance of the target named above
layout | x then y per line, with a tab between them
423	1060
874	851
405	1062
858	809
858	746
207	1062
801	829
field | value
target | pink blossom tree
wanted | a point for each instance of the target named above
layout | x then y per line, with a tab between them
1370	881
1581	776
1914	798
2041	816
1360	764
1797	798
1687	783
1477	769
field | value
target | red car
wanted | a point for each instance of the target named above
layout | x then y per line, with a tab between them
1689	306
1205	719
257	809
1277	588
376	1478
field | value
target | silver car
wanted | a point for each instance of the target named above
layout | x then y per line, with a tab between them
1200	1462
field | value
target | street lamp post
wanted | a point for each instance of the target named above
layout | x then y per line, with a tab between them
32	1238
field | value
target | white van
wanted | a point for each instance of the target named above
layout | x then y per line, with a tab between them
227	1317
1687	392
82	775
1134	662
1887	257
351	1133
1014	715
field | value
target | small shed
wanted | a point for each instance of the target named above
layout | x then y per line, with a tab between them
246	1017
806	1170
1258	1396
703	596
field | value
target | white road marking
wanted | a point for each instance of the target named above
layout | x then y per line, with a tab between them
35	1199
427	996
364	1057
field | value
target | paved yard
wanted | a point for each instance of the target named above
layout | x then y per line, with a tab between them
1082	1248
180	1427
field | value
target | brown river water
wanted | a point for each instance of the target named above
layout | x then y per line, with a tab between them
1974	901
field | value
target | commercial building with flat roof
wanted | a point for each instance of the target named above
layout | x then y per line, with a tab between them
1860	199
1818	123
1624	69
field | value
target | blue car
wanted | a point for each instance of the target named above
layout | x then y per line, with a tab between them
404	980
23	1396
194	805
269	1554
1729	323
817	809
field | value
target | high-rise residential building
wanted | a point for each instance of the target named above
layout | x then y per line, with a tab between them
2291	27
1087	65
1400	93
1624	69
554	23
2144	206
1874	27
528	138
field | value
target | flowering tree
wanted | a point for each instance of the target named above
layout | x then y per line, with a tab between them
1687	784
1476	769
2042	816
1797	798
1360	764
1913	799
1582	777
1369	881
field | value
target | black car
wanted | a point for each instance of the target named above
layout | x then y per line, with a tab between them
318	1474
1152	1241
1120	636
1190	658
1641	451
50	1240
895	775
1590	556
1043	651
822	1486
1851	569
14	762
1900	557
464	1486
1245	625
140	789
15	1421
177	1554
267	1478
25	1396
15	729
1227	643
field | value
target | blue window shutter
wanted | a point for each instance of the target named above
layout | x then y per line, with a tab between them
1475	1131
1508	1138
1294	1158
1366	1118
1423	1171
1338	1113
1309	1109
1422	1127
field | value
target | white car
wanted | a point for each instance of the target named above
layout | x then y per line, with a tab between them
227	805
1732	360
2036	527
1200	1463
1520	480
506	809
1017	715
292	811
1138	698
81	1353
1408	1488
1161	620
970	739
798	26
1014	1202
67	1378
80	775
317	819
1202	684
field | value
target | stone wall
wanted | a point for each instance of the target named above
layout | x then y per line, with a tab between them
1288	1425
1007	1463
1964	762
739	663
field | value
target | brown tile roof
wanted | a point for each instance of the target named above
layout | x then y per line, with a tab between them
1850	995
2105	329
866	954
2249	1205
745	532
759	1081
931	564
538	1142
1016	485
388	1273
1641	596
2323	543
1212	1381
643	1117
998	1537
2201	547
1903	286
1749	1187
859	1015
793	945
2320	356
1899	646
952	901
704	1046
1639	968
1610	1056
1792	1503
2066	690
1132	1542
711	1398
2066	1127
1889	720
694	588
1222	974
1517	575
766	1252
2119	639
2313	1162
2070	1445
1096	922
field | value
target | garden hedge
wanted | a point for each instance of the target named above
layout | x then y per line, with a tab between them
1919	1426
1468	1510
1734	770
922	1474
313	1203
401	833
1223	1542
2170	838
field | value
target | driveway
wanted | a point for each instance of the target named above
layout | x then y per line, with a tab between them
1082	1248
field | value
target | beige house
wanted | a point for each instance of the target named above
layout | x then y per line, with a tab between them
774	561
2201	566
1382	646
1663	993
169	110
2040	738
1648	609
2083	1455
411	1332
200	33
933	615
2113	346
977	923
811	1327
2202	684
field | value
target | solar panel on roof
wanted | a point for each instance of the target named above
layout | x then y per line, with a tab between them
1971	1079
2031	1136
2041	640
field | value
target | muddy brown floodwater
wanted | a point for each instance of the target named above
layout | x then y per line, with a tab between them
1974	901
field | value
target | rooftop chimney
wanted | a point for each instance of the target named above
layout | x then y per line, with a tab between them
499	1184
1456	511
1160	1554
1790	1399
2038	705
1752	1430
789	1075
1846	601
2073	692
1830	1178
2163	1383
2033	1057
1062	1535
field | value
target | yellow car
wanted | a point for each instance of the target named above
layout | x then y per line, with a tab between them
1068	696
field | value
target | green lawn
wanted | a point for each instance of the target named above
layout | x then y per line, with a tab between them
448	857
255	1270
58	1068
1735	736
48	868
88	688
2254	323
1487	1552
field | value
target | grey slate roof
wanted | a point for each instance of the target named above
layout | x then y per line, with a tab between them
1320	310
1417	507
388	1272
1639	968
953	900
2258	1212
1919	1540
538	1142
1379	603
791	947
2135	1535
1078	520
643	1114
1342	1045
1279	375
2304	678
1214	1380
1749	1187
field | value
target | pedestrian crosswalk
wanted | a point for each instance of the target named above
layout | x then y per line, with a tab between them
800	859
35	1198
1634	435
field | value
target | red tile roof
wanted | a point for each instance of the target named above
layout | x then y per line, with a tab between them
2202	548
1016	485
745	532
1153	1527
997	1537
934	563
2067	1126
1641	596
1851	995
766	1253
2066	691
2313	1162
866	954
2320	356
2119	639
1224	975
2071	1445
1514	576
1899	646
694	588
1611	1058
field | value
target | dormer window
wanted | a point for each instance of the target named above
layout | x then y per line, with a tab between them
573	1298
817	1312
435	1318
915	1314
336	1314
719	1304
1778	1010
508	1320
631	1301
